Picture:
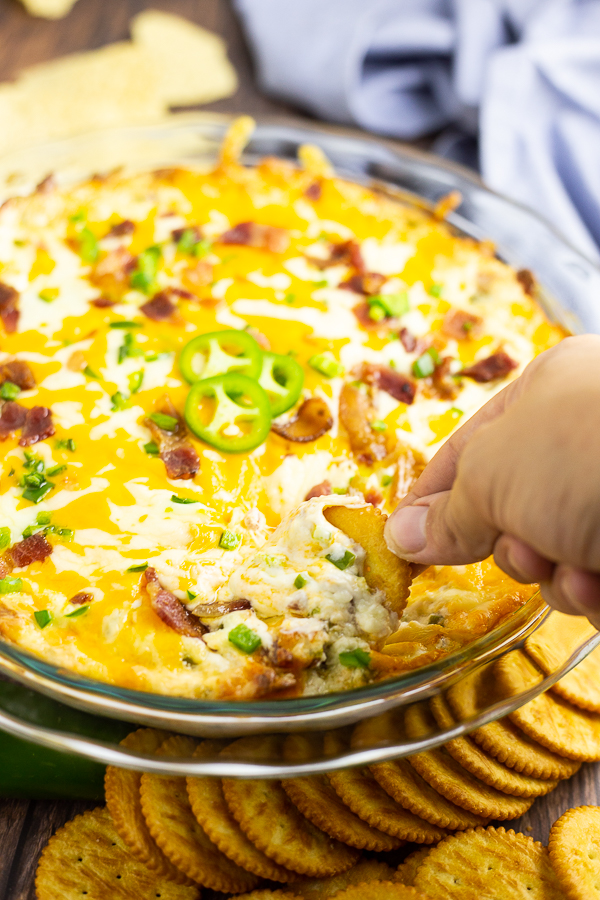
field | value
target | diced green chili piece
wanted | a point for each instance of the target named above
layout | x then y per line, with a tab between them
9	391
90	373
4	537
435	619
326	364
300	581
125	323
393	305
177	499
281	377
151	448
376	312
340	490
68	444
42	617
135	381
36	495
229	540
230	412
378	425
55	470
426	363
189	244
218	352
10	585
77	612
167	423
147	268
43	518
191	595
138	568
119	401
88	246
436	290
386	480
244	638
342	562
355	659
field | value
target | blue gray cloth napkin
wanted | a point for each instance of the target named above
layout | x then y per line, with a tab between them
523	74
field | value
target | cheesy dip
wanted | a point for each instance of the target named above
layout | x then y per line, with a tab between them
196	367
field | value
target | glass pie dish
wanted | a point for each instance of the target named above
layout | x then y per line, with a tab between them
522	239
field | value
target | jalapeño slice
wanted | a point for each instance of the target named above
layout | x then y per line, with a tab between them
230	412
218	352
282	379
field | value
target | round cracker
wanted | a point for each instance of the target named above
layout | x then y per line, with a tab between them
380	890
481	764
177	832
366	798
316	799
454	782
502	739
210	809
122	791
485	862
271	821
88	858
551	646
407	870
574	849
364	870
548	719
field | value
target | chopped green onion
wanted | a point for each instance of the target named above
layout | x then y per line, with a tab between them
10	585
326	364
355	659
177	499
244	638
119	401
436	290
36	495
88	246
49	294
42	617
55	470
129	348
188	240
151	448
191	595
376	312
290	298
79	216
342	562
393	305
68	444
43	518
139	568
167	423
229	540
426	363
147	268
90	373
4	537
151	356
125	323
378	425
386	480
135	381
201	248
300	581
77	612
29	531
436	619
9	391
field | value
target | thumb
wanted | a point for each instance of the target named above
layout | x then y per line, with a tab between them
441	529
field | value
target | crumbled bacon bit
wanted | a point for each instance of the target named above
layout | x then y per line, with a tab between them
313	191
442	382
181	463
199	273
121	229
368	283
398	386
160	308
9	308
46	185
221	608
181	293
356	414
38	426
311	421
118	263
362	313
263	237
12	417
527	281
19	373
374	497
460	324
178	233
343	253
320	490
34	548
81	598
102	302
170	609
496	366
178	455
408	340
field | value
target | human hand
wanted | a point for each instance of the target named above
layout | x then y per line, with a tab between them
521	480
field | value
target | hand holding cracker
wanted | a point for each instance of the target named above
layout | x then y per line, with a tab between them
520	480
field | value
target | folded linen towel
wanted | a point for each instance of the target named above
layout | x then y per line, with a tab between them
524	73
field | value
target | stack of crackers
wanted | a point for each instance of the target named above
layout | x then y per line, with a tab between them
319	836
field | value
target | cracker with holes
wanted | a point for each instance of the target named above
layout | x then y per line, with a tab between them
87	858
574	849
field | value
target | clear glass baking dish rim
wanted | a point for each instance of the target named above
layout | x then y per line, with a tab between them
320	711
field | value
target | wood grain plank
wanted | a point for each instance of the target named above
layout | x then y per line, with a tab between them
13	814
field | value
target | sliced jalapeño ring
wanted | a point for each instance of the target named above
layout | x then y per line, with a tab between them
230	412
282	378
218	352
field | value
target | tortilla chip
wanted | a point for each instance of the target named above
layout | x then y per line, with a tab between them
383	570
380	890
314	161
451	780
122	790
502	739
486	861
234	142
407	870
548	719
87	857
173	826
366	798
479	763
557	638
316	799
271	821
191	63
209	806
323	888
48	9
574	849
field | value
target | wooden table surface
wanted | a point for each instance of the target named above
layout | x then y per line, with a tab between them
26	826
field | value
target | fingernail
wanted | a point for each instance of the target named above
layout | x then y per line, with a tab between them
405	530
